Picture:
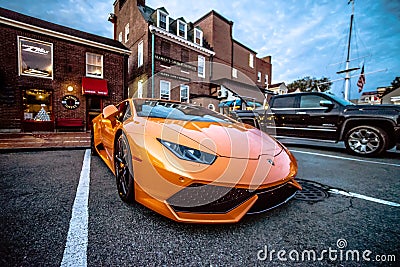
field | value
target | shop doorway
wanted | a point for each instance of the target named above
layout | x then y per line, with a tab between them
94	106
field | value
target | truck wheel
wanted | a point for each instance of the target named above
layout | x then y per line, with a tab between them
366	140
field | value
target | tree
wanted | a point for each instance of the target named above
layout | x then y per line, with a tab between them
308	84
396	83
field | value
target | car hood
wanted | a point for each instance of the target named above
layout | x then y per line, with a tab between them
232	140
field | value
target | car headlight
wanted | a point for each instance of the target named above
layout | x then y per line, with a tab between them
187	153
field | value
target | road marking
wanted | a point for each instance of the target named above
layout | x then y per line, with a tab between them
344	158
77	239
376	200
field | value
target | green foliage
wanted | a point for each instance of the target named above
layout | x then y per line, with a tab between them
308	84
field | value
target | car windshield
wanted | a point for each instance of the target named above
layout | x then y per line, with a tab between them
176	111
341	101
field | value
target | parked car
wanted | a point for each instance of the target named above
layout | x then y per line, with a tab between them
366	130
192	164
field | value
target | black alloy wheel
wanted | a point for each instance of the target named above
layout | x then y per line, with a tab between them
124	177
366	141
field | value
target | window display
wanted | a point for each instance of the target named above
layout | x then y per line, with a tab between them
37	105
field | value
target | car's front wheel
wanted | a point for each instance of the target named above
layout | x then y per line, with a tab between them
366	140
123	173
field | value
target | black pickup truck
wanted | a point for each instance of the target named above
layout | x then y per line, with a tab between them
367	130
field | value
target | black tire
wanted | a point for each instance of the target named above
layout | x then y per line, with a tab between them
123	172
93	150
366	140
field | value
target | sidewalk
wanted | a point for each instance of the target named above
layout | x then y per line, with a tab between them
44	140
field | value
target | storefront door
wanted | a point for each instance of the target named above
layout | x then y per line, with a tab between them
94	107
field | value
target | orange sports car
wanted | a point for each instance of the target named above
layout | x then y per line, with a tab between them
192	164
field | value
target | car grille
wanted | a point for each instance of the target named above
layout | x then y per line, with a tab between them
200	198
270	198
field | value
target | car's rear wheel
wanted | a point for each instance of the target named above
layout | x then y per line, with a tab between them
93	150
366	140
123	171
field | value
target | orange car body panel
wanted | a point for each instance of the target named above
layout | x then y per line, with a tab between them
246	158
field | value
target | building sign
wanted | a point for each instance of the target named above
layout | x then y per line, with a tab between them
35	58
70	102
174	76
175	62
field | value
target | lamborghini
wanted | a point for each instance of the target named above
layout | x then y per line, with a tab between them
192	164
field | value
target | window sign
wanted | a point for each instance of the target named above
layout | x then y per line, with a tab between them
35	58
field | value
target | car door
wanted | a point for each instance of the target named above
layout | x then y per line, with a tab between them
317	117
281	121
110	126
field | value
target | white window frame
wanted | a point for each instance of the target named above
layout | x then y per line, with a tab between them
234	73
251	60
120	37
266	78
140	54
177	29
201	36
140	89
259	75
87	64
169	89
201	63
183	87
126	32
159	12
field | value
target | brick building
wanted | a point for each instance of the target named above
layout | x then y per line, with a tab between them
50	73
184	61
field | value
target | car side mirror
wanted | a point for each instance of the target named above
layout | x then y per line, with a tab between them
326	103
109	111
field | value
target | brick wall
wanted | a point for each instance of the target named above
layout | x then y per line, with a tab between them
68	69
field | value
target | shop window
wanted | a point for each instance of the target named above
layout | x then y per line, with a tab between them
184	93
37	105
201	64
165	90
35	58
94	65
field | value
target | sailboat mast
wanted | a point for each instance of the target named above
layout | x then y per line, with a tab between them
347	79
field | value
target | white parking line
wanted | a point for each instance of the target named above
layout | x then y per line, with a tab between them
344	158
376	200
77	239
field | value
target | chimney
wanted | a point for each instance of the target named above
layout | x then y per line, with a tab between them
141	2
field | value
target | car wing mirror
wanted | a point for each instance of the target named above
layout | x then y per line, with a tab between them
109	111
326	103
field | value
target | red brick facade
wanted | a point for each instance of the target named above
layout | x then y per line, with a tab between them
221	52
68	68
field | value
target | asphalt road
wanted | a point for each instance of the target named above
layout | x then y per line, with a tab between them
38	189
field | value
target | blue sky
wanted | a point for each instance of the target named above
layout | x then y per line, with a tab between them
304	38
